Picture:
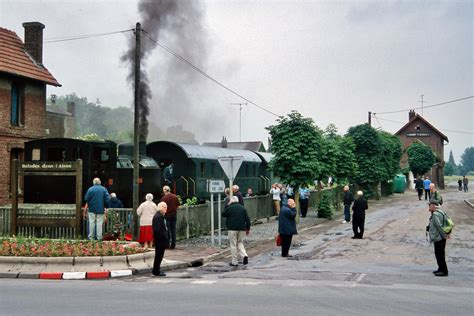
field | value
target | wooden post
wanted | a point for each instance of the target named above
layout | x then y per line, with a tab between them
14	189
78	167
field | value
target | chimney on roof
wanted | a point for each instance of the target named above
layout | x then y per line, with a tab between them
411	114
224	142
71	108
34	40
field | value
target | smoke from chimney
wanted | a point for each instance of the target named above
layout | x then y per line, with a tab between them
177	88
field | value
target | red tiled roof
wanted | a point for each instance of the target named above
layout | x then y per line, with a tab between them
418	117
14	59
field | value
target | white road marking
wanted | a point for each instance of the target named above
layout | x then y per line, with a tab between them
203	282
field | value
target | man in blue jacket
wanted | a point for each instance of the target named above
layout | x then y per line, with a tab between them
98	200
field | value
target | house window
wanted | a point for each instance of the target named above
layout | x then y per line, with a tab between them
17	104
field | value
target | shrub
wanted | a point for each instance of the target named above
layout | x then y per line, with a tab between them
325	205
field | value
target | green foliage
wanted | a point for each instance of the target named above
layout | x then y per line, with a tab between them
450	168
338	156
391	152
467	161
296	145
420	158
88	137
325	205
192	201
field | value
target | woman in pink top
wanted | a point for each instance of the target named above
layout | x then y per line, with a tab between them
146	211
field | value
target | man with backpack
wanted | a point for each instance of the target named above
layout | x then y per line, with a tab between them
438	236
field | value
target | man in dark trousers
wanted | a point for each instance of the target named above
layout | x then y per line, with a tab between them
348	199
160	236
172	202
419	187
237	222
438	237
358	215
287	226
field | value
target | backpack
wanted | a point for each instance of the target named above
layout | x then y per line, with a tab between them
448	223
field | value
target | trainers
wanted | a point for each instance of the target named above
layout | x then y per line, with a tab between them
441	274
246	260
344	221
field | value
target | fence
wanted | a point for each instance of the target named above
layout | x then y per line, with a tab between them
192	220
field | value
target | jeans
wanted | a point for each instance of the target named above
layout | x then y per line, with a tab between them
171	226
427	194
347	212
237	249
96	221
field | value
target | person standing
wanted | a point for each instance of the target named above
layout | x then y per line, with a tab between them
358	215
438	237
237	222
171	216
168	175
426	185
238	194
160	236
435	195
146	211
348	199
465	182
304	200
460	184
287	226
115	202
275	192
419	187
97	199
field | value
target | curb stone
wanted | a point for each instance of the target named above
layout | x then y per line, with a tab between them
28	275
9	275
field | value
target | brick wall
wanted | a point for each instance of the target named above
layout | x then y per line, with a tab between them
14	137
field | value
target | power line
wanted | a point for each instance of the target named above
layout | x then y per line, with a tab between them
428	106
79	37
202	72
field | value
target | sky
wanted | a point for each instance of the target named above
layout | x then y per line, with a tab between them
332	61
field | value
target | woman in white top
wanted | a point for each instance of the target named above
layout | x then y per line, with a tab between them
275	191
146	211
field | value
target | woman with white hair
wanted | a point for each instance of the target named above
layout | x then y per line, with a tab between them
146	211
358	215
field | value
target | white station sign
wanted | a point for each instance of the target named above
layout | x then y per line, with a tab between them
215	186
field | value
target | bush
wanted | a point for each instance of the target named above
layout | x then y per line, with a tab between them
325	206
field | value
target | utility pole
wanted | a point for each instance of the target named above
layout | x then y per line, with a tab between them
136	162
422	104
240	118
370	118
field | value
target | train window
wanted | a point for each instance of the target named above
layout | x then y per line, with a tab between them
213	170
101	154
254	170
35	154
56	154
76	153
246	170
202	170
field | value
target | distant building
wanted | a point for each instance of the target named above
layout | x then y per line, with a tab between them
252	146
23	80
60	122
420	129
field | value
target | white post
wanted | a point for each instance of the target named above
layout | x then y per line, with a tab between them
219	220
187	221
212	219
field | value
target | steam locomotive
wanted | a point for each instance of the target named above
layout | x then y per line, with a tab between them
113	164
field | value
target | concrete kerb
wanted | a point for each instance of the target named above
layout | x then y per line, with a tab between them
471	204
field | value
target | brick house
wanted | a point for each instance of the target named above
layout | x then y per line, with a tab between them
60	121
252	146
23	80
420	129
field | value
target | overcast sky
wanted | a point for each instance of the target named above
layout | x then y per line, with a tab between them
332	61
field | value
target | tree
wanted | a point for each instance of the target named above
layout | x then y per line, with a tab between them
420	158
391	152
467	160
296	145
450	168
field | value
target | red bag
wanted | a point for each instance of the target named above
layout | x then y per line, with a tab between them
278	240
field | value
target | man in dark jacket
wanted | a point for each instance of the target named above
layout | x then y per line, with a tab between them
238	194
358	215
287	226
419	187
237	222
348	199
172	202
115	202
160	236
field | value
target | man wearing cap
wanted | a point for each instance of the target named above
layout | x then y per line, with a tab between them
438	237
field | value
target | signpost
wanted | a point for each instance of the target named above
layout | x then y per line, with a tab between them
215	186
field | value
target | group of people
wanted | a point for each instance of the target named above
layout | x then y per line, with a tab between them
462	184
280	196
423	185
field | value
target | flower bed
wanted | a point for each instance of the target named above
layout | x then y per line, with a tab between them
32	247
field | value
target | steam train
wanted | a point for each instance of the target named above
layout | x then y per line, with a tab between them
113	164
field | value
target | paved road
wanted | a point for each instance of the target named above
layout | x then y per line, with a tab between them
388	272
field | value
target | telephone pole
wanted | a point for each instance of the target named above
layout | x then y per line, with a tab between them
136	162
240	118
422	101
370	118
